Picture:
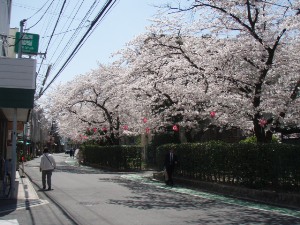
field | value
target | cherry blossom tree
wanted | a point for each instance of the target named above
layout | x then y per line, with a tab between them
236	58
227	63
167	74
89	106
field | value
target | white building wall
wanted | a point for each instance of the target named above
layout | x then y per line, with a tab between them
17	73
5	11
11	42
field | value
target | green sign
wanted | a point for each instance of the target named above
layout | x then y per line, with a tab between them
30	43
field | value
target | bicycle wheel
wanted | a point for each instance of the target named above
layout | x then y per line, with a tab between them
7	184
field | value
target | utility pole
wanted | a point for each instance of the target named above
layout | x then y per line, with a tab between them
14	154
14	160
21	37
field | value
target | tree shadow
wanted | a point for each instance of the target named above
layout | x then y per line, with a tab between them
204	211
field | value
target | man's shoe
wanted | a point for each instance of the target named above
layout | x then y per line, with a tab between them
49	189
44	188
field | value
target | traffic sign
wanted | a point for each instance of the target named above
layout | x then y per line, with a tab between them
30	43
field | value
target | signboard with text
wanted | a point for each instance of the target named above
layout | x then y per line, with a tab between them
30	43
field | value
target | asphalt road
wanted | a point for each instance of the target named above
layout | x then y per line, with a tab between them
87	196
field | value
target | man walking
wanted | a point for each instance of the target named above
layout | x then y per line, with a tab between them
47	165
170	162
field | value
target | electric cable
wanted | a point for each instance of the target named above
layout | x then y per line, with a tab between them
49	23
78	46
64	24
55	26
67	31
41	16
61	10
108	11
46	26
73	18
72	38
76	33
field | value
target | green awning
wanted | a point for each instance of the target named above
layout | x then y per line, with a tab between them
16	98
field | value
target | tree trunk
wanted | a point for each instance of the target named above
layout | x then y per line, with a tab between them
269	135
262	136
259	131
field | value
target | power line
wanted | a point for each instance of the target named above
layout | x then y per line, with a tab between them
58	40
75	34
98	22
72	20
39	9
41	16
72	38
48	23
63	32
103	11
61	10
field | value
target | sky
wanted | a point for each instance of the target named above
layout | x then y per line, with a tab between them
126	20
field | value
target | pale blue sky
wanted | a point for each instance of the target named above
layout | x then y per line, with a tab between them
127	19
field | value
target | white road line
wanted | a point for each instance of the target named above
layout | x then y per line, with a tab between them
9	222
24	205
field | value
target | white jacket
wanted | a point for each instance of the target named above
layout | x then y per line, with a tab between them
47	162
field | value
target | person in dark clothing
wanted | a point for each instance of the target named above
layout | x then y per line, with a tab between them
170	162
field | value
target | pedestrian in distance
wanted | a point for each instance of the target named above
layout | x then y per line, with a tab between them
21	162
170	163
47	166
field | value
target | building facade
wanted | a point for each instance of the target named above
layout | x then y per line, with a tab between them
17	88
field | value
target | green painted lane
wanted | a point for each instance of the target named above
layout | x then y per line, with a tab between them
221	198
71	161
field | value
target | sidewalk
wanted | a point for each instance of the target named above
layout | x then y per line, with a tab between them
23	196
24	189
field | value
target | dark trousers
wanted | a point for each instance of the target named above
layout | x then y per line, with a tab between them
46	174
170	170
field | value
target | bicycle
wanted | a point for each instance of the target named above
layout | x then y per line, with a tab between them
7	180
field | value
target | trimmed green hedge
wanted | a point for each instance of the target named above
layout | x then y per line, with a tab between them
119	157
273	166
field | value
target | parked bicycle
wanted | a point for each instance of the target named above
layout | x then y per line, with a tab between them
7	178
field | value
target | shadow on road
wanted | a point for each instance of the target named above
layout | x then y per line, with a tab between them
147	197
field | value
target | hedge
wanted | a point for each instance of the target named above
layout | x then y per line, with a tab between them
273	166
119	157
